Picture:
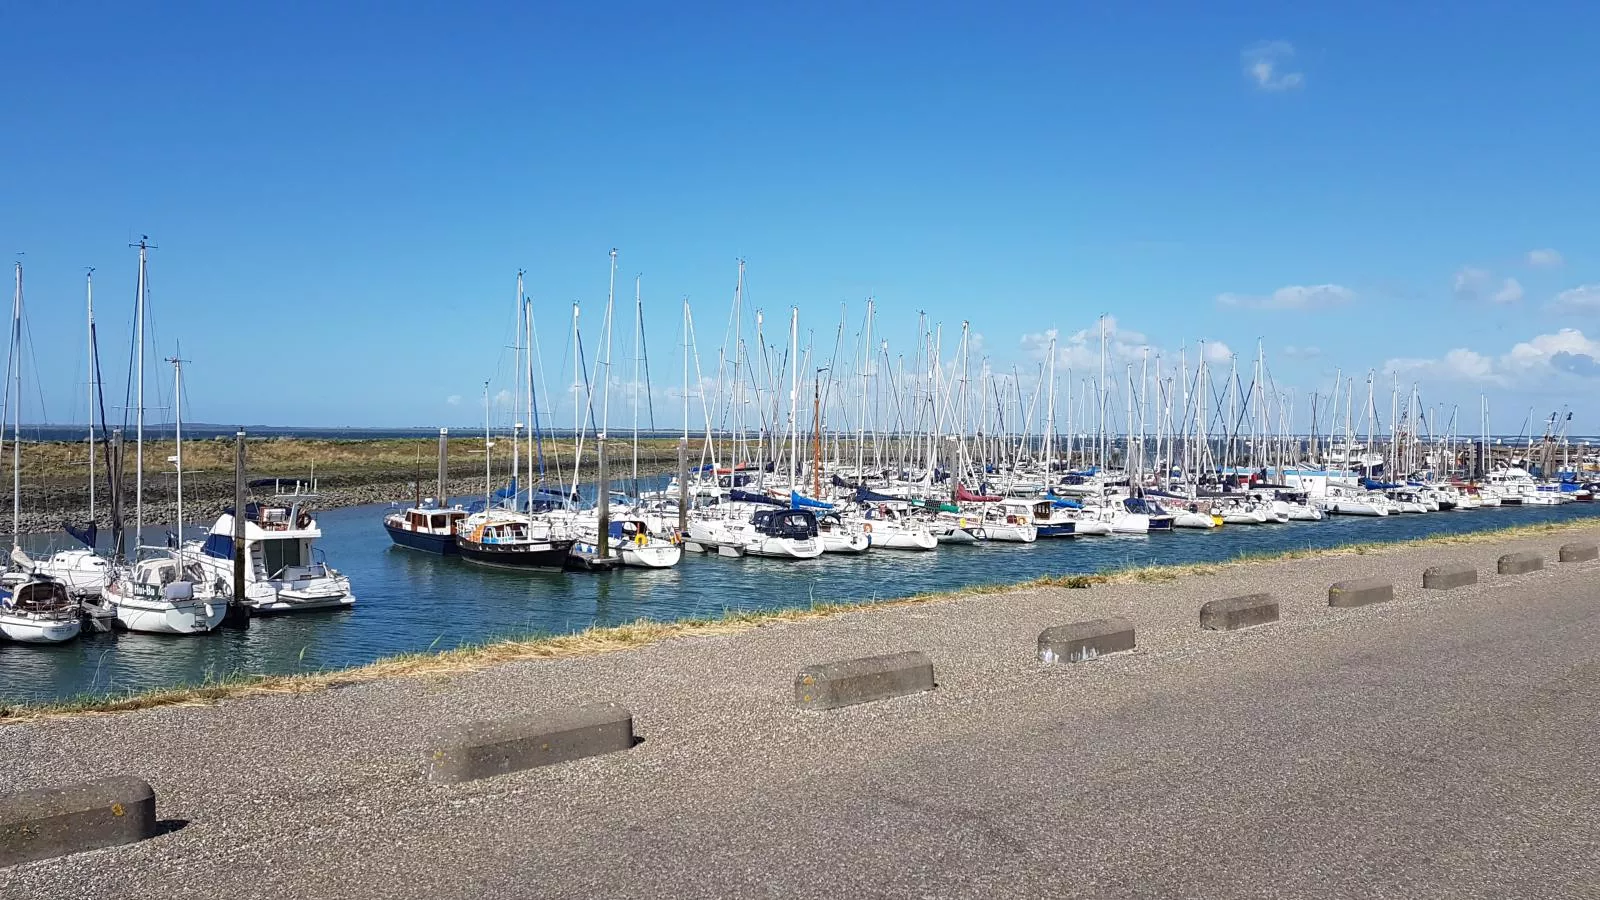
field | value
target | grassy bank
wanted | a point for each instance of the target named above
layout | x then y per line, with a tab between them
473	658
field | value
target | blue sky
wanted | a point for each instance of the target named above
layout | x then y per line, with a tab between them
343	193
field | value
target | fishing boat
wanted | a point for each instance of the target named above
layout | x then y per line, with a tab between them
284	569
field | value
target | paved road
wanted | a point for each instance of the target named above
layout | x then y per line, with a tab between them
1439	746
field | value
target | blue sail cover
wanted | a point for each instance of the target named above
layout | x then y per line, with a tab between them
737	496
218	546
510	490
865	496
84	534
1374	485
798	501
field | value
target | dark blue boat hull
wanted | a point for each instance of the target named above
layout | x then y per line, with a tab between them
442	544
1057	530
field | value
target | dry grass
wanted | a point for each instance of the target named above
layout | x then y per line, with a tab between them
283	456
592	641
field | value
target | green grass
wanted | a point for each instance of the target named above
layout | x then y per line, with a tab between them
476	657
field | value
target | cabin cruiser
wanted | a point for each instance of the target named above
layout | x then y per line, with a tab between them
39	611
167	594
513	540
1406	501
753	529
1192	515
283	570
426	527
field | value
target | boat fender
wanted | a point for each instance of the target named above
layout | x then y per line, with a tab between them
866	527
304	521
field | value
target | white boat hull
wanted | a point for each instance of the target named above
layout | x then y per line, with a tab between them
651	556
181	617
28	629
1010	533
1193	520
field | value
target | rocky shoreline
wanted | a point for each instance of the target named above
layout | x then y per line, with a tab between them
46	506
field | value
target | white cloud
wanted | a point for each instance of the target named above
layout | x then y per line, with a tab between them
1585	298
1510	291
1541	362
453	399
1266	64
1217	352
1294	352
1545	257
1472	284
1294	296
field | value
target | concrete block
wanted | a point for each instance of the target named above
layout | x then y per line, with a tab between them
1083	641
484	749
1449	576
850	681
1235	613
1360	592
89	815
1520	563
1579	552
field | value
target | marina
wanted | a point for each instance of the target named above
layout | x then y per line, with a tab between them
415	602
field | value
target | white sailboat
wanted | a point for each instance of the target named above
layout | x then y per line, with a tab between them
167	592
37	609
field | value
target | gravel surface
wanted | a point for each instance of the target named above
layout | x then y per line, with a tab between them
1436	746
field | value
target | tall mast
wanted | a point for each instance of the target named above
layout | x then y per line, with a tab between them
794	396
16	418
138	453
1100	386
177	439
488	474
94	373
638	326
516	396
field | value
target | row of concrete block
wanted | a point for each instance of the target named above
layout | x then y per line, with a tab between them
109	811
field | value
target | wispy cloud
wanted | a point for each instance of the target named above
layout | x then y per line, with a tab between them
1294	352
1472	284
1547	258
1585	298
1294	296
1267	65
1510	292
453	399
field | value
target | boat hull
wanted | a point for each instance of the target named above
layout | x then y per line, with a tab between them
186	617
543	556
30	630
442	544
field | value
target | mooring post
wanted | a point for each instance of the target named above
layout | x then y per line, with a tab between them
238	615
683	487
604	506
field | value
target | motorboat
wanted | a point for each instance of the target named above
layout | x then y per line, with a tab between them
752	529
83	572
509	539
838	535
427	527
284	570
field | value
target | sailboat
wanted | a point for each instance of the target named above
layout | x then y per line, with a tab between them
82	570
37	609
167	592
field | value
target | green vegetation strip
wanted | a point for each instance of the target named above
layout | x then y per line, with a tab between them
472	658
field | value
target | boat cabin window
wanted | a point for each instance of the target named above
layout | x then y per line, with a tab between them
441	521
416	520
281	554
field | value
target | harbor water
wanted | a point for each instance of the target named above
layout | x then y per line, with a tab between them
409	601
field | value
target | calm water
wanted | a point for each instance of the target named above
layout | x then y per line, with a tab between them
408	601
